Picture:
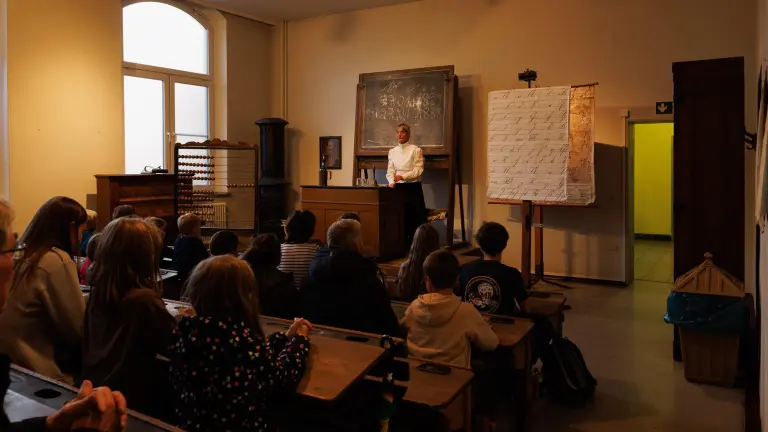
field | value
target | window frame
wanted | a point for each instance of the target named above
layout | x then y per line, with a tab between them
171	76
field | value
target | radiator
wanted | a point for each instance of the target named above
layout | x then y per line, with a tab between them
219	217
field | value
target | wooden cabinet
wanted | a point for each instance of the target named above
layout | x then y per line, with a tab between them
380	211
149	194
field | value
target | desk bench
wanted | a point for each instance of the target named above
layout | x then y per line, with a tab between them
33	395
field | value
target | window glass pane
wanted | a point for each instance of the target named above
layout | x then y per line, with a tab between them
144	123
158	34
191	102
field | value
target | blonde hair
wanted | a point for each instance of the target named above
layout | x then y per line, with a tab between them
188	222
406	128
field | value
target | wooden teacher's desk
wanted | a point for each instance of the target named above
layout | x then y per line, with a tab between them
380	210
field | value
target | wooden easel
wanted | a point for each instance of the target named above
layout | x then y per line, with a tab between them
532	214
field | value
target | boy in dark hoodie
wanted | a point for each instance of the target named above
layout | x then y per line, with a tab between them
440	326
343	288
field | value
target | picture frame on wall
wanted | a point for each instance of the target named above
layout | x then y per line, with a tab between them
330	147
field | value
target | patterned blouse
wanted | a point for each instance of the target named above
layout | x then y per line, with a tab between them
223	374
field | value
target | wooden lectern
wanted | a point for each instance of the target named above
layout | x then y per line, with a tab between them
380	210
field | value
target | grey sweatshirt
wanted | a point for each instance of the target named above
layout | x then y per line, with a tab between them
43	319
443	328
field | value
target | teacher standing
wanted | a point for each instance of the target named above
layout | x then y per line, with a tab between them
404	169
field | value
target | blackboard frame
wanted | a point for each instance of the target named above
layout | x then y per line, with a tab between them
447	148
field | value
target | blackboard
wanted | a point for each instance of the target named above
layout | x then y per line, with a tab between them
421	98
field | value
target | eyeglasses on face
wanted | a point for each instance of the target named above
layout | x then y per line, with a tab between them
16	251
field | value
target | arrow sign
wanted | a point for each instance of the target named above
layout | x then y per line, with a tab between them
665	107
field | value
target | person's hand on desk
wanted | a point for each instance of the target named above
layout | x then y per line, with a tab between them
300	327
185	312
399	178
94	409
391	185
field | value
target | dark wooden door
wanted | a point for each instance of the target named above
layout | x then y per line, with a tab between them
709	164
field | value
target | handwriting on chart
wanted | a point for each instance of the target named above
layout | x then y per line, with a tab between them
528	144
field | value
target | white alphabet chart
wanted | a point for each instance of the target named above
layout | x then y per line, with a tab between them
531	151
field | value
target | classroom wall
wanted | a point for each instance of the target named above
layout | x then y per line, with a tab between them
65	98
652	148
628	47
65	93
249	80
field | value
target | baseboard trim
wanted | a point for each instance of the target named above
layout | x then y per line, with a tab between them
583	280
657	237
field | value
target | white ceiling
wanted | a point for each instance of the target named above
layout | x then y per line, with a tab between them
279	10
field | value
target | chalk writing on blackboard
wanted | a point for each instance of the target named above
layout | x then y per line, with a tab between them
528	144
417	98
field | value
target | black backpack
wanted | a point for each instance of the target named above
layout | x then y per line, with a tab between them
566	376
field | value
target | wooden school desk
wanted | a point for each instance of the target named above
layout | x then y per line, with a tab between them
32	395
514	338
552	307
425	388
334	364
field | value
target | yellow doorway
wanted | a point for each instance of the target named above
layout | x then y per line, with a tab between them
654	251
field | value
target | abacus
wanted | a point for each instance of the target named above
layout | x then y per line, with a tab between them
219	182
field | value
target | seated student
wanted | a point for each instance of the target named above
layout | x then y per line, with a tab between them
91	407
343	289
223	368
41	327
126	323
298	249
489	285
277	295
86	270
123	211
410	277
440	326
188	249
90	229
493	287
223	243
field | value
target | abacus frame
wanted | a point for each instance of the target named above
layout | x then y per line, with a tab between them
184	180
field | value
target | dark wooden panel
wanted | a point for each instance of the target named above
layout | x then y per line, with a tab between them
709	164
380	211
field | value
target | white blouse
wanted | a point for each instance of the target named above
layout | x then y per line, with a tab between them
406	160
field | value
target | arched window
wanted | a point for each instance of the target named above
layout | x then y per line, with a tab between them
167	81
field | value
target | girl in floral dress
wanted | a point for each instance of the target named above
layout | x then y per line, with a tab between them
223	368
